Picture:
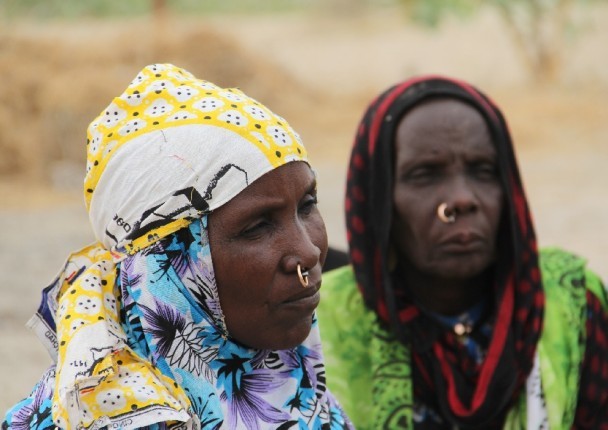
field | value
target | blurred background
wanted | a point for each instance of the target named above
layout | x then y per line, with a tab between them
318	63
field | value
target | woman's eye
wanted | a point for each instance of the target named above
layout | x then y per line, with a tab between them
421	174
485	171
309	203
256	229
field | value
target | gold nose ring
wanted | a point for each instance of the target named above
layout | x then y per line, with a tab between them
444	215
303	276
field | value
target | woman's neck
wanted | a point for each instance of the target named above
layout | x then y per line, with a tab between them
447	296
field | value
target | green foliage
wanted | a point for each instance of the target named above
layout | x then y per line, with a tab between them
236	6
539	29
72	9
431	12
37	9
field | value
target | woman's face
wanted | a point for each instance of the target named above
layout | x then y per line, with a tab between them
257	239
444	153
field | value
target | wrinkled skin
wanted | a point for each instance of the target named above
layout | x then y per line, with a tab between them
257	239
444	153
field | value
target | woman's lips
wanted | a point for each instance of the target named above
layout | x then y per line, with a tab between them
308	298
463	242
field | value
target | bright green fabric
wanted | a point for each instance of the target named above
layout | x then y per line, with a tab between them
369	371
562	342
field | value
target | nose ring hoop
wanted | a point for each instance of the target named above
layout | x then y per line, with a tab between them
302	276
446	216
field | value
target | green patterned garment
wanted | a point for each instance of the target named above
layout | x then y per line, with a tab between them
370	371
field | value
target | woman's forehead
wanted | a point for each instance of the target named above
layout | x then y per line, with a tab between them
442	123
273	189
440	110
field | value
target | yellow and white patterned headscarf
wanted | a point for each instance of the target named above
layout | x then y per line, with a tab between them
156	154
167	151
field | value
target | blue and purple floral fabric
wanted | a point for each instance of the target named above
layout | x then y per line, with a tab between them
172	319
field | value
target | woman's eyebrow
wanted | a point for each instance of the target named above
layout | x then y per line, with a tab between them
431	161
312	189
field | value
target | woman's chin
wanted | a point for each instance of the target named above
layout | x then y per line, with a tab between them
283	338
295	336
461	270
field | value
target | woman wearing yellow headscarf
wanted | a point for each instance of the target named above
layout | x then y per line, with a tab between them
195	308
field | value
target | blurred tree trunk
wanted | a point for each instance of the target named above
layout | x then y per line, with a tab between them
538	28
160	12
538	32
159	9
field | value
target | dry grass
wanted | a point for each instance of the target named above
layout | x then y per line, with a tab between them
57	78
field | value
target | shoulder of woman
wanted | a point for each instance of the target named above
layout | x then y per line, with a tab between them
342	312
564	267
340	295
34	411
339	280
346	328
557	259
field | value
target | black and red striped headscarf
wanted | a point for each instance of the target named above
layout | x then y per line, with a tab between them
467	394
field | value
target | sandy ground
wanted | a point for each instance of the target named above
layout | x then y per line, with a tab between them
560	134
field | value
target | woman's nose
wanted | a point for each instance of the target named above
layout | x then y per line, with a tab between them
462	197
301	249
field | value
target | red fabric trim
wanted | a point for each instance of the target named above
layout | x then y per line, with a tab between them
520	206
408	314
382	108
422	369
503	322
488	107
499	337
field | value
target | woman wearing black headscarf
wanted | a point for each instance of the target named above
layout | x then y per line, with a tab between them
448	316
